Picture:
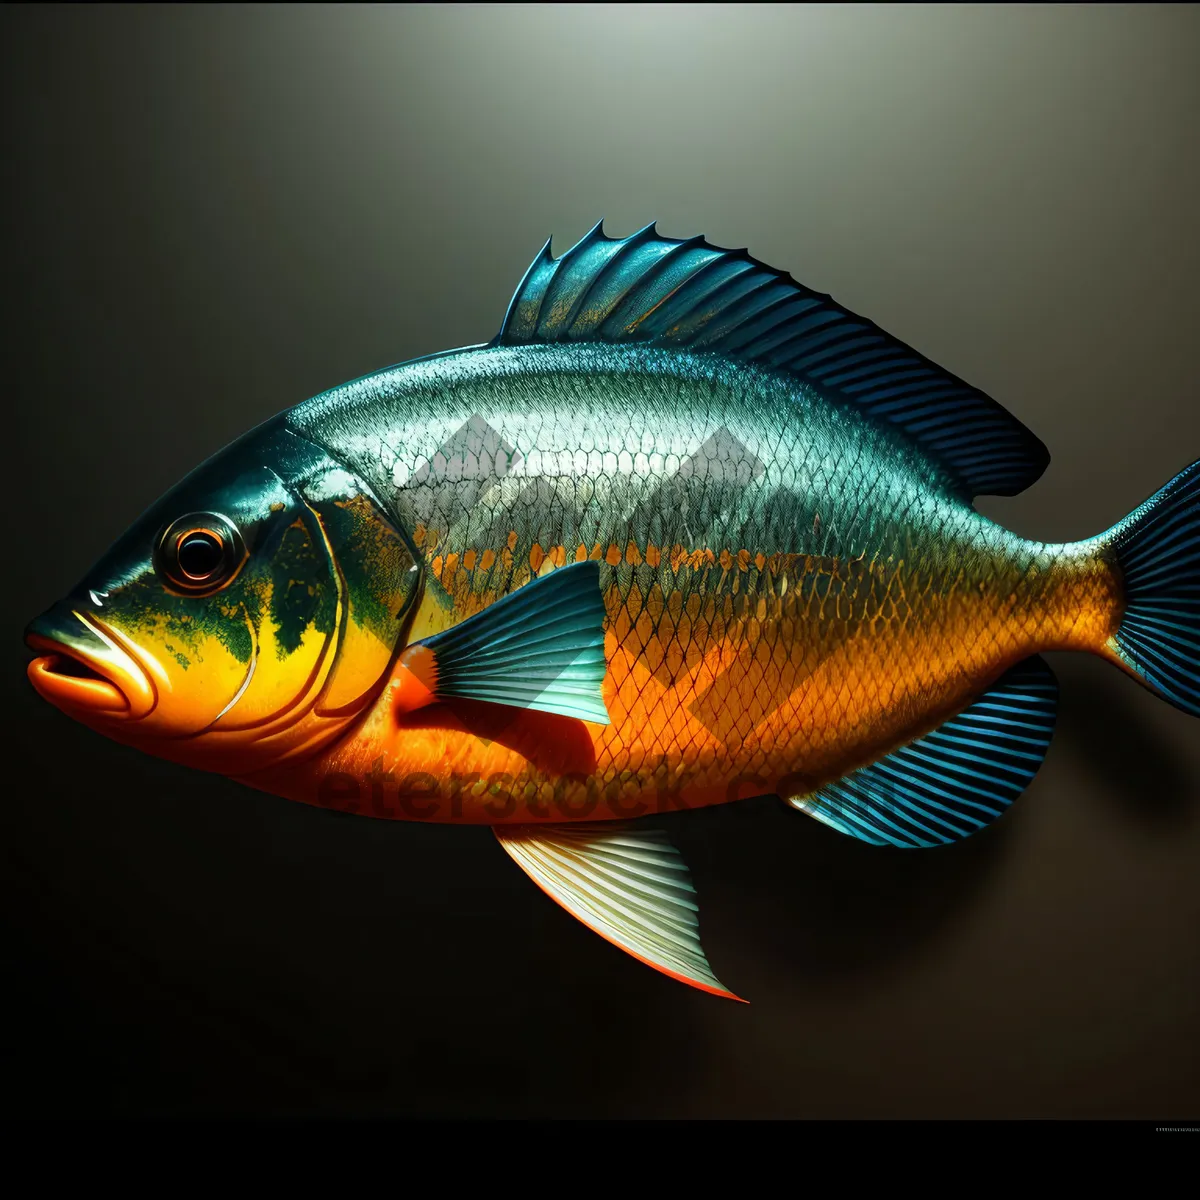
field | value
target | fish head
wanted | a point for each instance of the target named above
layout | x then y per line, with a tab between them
244	620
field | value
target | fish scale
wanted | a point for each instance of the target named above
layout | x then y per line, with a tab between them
574	419
684	532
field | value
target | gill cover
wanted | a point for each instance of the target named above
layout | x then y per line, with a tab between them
327	597
261	603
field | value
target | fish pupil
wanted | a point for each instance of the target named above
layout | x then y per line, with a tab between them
199	554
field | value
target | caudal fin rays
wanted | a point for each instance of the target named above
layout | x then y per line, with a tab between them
1158	552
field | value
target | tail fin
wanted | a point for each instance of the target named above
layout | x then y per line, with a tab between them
1158	550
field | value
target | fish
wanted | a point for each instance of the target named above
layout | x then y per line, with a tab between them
684	532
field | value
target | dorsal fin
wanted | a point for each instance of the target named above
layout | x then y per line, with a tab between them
690	294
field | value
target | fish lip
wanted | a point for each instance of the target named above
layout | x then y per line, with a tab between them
114	687
97	692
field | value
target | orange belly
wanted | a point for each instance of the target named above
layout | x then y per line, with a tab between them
707	706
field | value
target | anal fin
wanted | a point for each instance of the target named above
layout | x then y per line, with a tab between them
952	782
630	885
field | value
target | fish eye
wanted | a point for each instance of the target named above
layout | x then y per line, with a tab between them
200	553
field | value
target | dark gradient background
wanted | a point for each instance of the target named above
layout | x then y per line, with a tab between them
211	214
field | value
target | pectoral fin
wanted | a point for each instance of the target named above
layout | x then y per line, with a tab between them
539	647
628	884
954	781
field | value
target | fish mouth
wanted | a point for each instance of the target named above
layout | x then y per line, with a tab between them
85	670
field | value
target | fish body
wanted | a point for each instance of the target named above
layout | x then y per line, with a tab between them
788	586
685	532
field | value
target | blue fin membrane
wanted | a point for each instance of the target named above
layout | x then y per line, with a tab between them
1158	551
627	883
692	295
954	781
539	647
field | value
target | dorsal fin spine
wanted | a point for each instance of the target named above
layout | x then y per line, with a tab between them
720	325
902	379
837	341
648	283
542	258
765	328
641	238
731	282
585	293
855	382
590	245
796	331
